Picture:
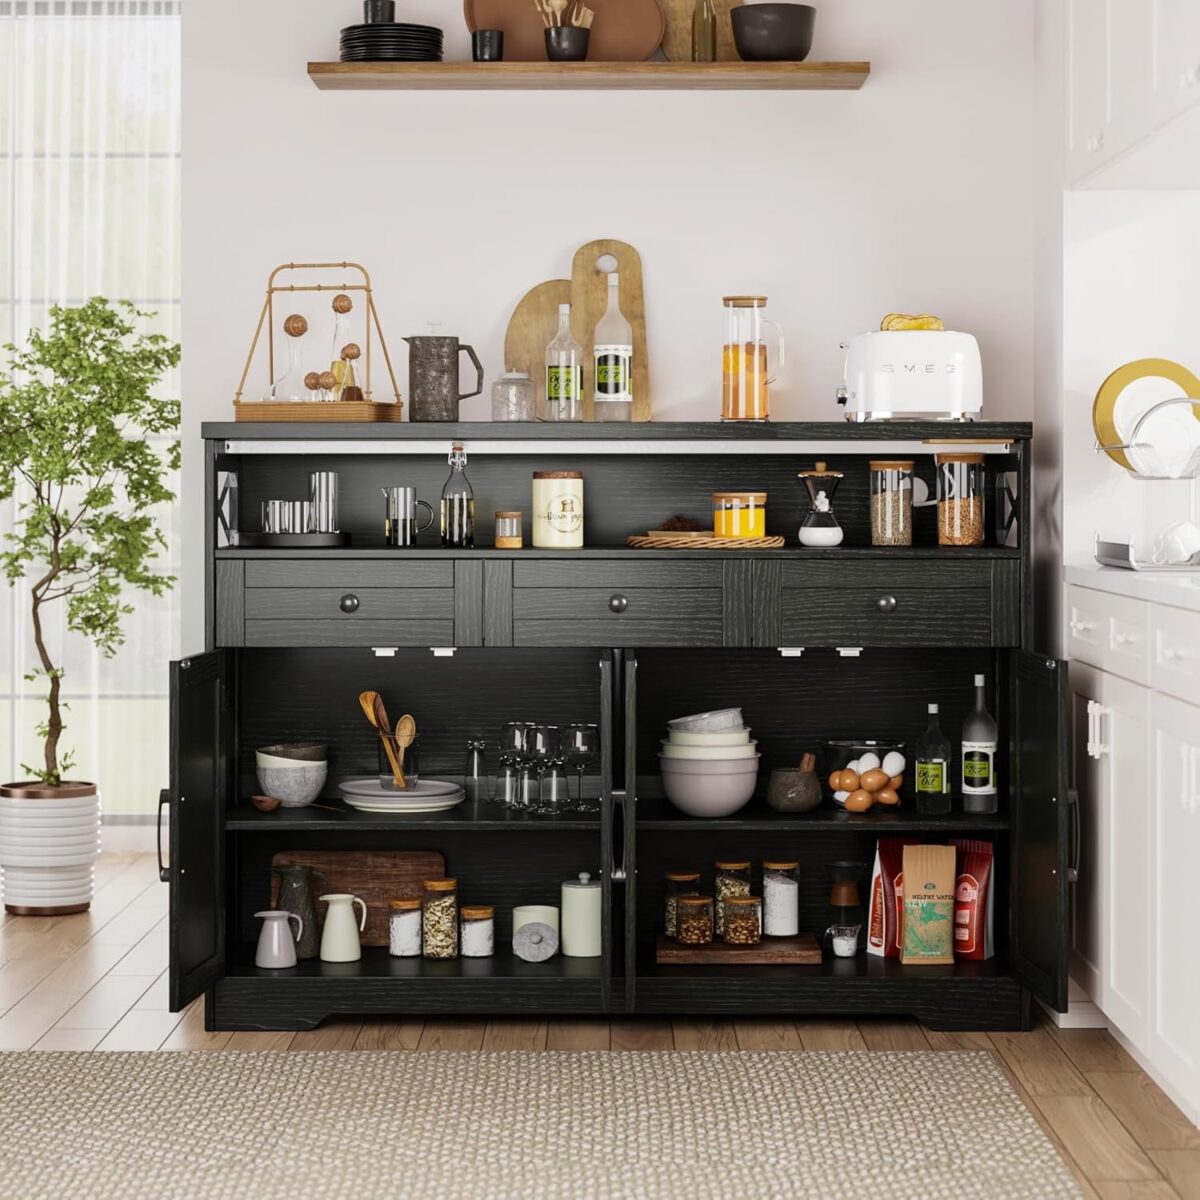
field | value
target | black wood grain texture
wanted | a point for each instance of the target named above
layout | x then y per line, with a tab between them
349	573
620	606
367	604
882	576
230	602
661	630
1008	604
914	617
751	599
468	603
497	603
620	575
365	632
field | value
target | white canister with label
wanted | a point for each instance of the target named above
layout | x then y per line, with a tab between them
558	510
581	920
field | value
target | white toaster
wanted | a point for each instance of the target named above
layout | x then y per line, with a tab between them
932	374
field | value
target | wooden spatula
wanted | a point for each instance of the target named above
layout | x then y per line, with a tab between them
372	704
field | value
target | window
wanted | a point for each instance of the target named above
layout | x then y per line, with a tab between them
89	205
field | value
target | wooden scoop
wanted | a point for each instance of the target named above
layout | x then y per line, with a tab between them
372	705
406	731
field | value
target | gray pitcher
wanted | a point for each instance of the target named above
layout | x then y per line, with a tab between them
296	896
433	393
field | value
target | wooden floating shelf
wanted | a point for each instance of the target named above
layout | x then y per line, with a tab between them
631	76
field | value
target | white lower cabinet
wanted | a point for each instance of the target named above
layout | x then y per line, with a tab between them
1174	1046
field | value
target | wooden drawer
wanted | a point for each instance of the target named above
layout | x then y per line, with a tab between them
336	604
898	604
617	603
349	633
1175	666
1111	632
348	573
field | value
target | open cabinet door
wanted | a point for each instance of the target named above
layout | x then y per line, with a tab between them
201	774
1041	822
607	697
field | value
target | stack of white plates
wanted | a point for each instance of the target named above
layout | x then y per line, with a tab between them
428	796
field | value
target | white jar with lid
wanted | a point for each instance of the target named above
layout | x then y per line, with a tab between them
581	917
514	397
558	510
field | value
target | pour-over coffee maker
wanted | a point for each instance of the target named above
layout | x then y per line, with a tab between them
845	902
820	527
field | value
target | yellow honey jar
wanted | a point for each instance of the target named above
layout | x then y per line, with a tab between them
739	514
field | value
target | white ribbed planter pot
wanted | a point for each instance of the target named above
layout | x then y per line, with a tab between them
49	841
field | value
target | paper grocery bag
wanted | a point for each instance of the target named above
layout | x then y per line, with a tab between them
928	934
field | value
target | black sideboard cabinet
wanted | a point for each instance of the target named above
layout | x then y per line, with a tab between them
812	644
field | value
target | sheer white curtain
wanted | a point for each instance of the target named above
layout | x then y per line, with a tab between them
89	206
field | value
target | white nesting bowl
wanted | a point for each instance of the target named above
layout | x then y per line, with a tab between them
709	722
709	753
283	764
295	785
723	737
709	788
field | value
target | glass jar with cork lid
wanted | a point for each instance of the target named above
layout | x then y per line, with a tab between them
730	878
960	488
891	501
678	884
439	918
508	531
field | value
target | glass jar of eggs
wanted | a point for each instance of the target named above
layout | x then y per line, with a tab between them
866	773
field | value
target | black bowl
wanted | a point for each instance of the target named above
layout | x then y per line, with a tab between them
773	32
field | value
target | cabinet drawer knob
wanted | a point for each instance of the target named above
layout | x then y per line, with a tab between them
348	603
618	603
886	604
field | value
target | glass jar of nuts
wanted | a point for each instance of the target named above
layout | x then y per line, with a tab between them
439	918
679	883
694	920
743	920
730	879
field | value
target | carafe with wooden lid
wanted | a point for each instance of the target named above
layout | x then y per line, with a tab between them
745	363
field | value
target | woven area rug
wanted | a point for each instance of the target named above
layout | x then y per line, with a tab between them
473	1126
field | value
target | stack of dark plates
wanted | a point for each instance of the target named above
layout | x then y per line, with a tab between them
394	42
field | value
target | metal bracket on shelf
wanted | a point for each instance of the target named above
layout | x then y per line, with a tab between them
384	651
850	651
791	651
442	651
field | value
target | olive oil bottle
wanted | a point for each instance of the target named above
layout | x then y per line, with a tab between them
980	738
931	770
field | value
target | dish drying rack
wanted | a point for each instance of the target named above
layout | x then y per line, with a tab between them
1189	470
1122	554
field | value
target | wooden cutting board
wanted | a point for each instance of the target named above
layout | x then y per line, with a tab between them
776	950
533	323
375	877
623	31
677	40
589	299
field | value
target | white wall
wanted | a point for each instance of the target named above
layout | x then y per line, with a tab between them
914	194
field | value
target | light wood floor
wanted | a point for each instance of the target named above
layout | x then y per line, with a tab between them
97	981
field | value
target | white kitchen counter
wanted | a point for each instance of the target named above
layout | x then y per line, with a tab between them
1181	590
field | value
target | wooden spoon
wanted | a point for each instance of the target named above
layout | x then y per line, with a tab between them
372	704
406	731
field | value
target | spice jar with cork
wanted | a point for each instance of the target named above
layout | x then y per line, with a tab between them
891	502
439	918
781	899
729	879
678	883
404	928
694	921
742	923
960	487
478	926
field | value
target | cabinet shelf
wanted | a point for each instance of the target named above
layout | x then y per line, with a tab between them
326	816
869	553
546	76
660	815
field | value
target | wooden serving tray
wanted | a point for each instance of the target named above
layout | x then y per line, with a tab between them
302	410
669	540
376	877
771	951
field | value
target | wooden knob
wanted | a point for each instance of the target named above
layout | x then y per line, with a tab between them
351	351
295	325
312	380
328	380
342	303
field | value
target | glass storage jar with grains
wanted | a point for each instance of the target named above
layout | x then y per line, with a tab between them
694	921
404	928
960	486
678	883
891	502
439	918
478	936
730	879
742	923
781	899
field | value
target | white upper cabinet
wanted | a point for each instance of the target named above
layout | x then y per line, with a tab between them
1131	66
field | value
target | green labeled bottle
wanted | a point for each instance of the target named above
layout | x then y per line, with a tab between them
564	373
613	361
931	770
980	739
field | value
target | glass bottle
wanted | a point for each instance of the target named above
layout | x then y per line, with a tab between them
340	368
291	384
745	360
564	372
613	361
932	772
458	503
704	32
980	738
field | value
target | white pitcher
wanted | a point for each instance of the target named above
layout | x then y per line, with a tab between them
339	940
276	946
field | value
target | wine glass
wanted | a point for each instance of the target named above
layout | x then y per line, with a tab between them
512	753
580	747
541	748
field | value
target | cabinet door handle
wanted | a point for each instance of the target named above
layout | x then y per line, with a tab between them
1075	815
1078	627
1091	736
1170	653
886	604
1101	712
618	603
618	801
348	603
164	798
1123	639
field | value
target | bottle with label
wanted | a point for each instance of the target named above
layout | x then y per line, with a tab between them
980	738
931	772
564	372
458	503
613	361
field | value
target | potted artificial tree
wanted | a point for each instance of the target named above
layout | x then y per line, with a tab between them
77	412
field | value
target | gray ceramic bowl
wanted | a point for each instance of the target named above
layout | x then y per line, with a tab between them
293	787
709	787
301	751
773	32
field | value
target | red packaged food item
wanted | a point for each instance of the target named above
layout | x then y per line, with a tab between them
885	915
973	892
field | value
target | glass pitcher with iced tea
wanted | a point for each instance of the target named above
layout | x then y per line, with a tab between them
745	368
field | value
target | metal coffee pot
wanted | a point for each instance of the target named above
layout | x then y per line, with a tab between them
433	377
296	896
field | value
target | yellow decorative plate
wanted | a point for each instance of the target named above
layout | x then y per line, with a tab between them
1104	407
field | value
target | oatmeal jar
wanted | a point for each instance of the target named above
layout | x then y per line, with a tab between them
730	879
781	899
694	921
478	930
558	510
891	502
439	918
679	883
404	928
742	924
960	485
